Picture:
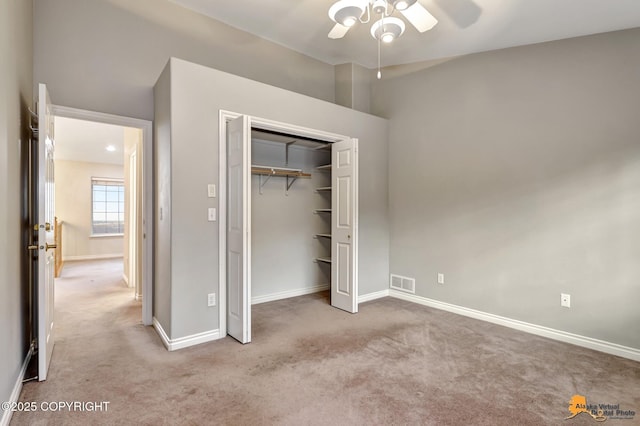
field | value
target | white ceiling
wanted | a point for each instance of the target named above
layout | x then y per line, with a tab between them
466	26
79	140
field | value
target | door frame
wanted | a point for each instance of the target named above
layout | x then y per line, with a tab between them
224	117
147	191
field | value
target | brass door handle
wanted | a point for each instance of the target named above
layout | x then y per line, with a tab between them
47	245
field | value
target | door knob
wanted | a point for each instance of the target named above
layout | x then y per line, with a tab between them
51	246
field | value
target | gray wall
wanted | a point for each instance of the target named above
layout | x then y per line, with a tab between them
516	173
197	95
15	97
106	55
353	86
162	196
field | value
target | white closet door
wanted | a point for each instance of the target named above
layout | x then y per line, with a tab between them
344	225
238	232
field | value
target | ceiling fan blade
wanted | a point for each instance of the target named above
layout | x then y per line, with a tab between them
338	31
419	17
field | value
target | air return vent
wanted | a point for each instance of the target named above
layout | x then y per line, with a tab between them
406	284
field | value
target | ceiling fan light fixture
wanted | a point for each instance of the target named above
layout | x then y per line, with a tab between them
387	29
402	4
346	12
379	7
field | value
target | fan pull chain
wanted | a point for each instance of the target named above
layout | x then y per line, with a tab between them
379	73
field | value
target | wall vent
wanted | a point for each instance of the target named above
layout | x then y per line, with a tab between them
406	284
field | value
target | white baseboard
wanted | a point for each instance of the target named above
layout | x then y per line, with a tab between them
287	294
373	296
562	336
92	257
17	388
185	342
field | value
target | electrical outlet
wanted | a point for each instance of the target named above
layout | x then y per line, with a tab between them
440	278
565	300
211	299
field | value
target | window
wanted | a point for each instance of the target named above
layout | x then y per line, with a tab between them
107	210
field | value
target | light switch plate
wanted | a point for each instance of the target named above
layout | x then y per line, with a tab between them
211	190
212	214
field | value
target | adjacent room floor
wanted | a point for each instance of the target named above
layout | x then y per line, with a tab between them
393	363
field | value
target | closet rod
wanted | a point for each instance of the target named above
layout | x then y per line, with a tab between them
290	174
272	168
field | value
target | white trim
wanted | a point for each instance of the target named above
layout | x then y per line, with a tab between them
147	190
92	257
17	388
107	179
106	235
100	117
185	342
373	296
125	279
538	330
163	336
289	293
278	126
224	117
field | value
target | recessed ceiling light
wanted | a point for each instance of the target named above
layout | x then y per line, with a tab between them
110	148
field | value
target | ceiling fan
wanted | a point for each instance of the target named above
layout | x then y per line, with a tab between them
346	13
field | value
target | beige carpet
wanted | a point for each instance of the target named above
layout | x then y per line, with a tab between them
394	363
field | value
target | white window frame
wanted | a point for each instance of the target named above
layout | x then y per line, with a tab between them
120	182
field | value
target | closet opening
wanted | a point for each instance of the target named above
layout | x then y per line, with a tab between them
291	217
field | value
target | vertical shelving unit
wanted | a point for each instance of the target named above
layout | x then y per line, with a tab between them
324	191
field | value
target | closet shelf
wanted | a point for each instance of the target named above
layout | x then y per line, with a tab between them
323	259
323	189
325	167
278	171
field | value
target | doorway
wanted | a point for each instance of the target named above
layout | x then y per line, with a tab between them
235	284
137	148
97	188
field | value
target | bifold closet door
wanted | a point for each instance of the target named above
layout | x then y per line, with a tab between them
238	221
344	225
